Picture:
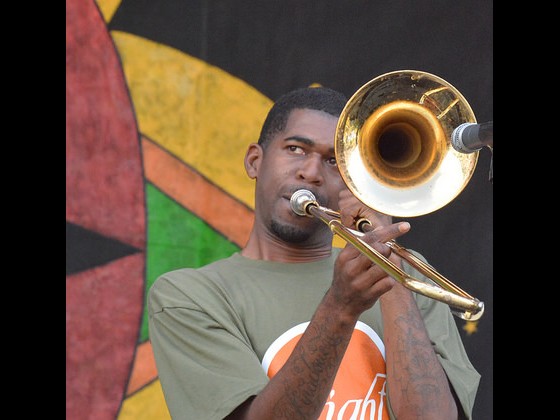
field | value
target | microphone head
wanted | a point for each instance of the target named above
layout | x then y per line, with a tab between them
462	138
456	140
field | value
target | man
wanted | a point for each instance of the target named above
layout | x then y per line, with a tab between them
292	328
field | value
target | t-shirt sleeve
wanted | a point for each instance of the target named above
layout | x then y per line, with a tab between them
193	347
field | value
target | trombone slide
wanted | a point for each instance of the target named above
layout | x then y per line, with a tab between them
303	203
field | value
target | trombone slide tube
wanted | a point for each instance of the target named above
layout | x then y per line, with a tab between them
472	308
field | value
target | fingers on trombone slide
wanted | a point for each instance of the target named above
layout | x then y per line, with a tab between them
386	233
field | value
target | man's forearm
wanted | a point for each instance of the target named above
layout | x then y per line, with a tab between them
417	384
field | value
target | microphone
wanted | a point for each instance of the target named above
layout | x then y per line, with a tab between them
470	137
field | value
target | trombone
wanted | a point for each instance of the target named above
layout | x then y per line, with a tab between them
396	131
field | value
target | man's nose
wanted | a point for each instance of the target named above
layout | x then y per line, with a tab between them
312	169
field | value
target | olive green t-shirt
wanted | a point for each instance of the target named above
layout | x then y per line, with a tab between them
218	330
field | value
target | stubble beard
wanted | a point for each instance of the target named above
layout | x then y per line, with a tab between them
313	232
289	233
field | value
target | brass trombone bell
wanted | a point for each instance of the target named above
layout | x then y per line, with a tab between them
393	143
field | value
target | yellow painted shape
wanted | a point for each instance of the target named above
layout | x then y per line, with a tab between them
146	404
108	8
198	112
338	242
470	327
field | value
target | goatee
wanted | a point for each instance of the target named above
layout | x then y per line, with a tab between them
289	233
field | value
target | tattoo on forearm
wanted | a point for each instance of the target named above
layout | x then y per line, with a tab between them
421	381
313	365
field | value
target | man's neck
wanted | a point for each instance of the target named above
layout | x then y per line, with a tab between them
279	251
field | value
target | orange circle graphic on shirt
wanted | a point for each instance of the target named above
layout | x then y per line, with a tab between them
359	387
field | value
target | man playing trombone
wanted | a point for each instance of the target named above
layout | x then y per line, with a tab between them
291	327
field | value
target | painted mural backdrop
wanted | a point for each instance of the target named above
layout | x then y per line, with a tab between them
155	142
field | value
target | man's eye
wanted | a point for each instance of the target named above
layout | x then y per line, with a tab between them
332	161
295	149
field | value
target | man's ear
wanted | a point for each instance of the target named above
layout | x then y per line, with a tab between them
253	158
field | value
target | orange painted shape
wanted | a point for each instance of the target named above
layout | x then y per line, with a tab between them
194	192
144	369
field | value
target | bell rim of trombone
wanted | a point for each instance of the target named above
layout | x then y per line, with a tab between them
393	143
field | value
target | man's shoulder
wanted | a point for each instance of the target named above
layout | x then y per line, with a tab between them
197	273
184	286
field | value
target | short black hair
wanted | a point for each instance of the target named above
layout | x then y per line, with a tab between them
316	98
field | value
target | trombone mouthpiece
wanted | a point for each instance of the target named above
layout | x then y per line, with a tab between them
299	200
